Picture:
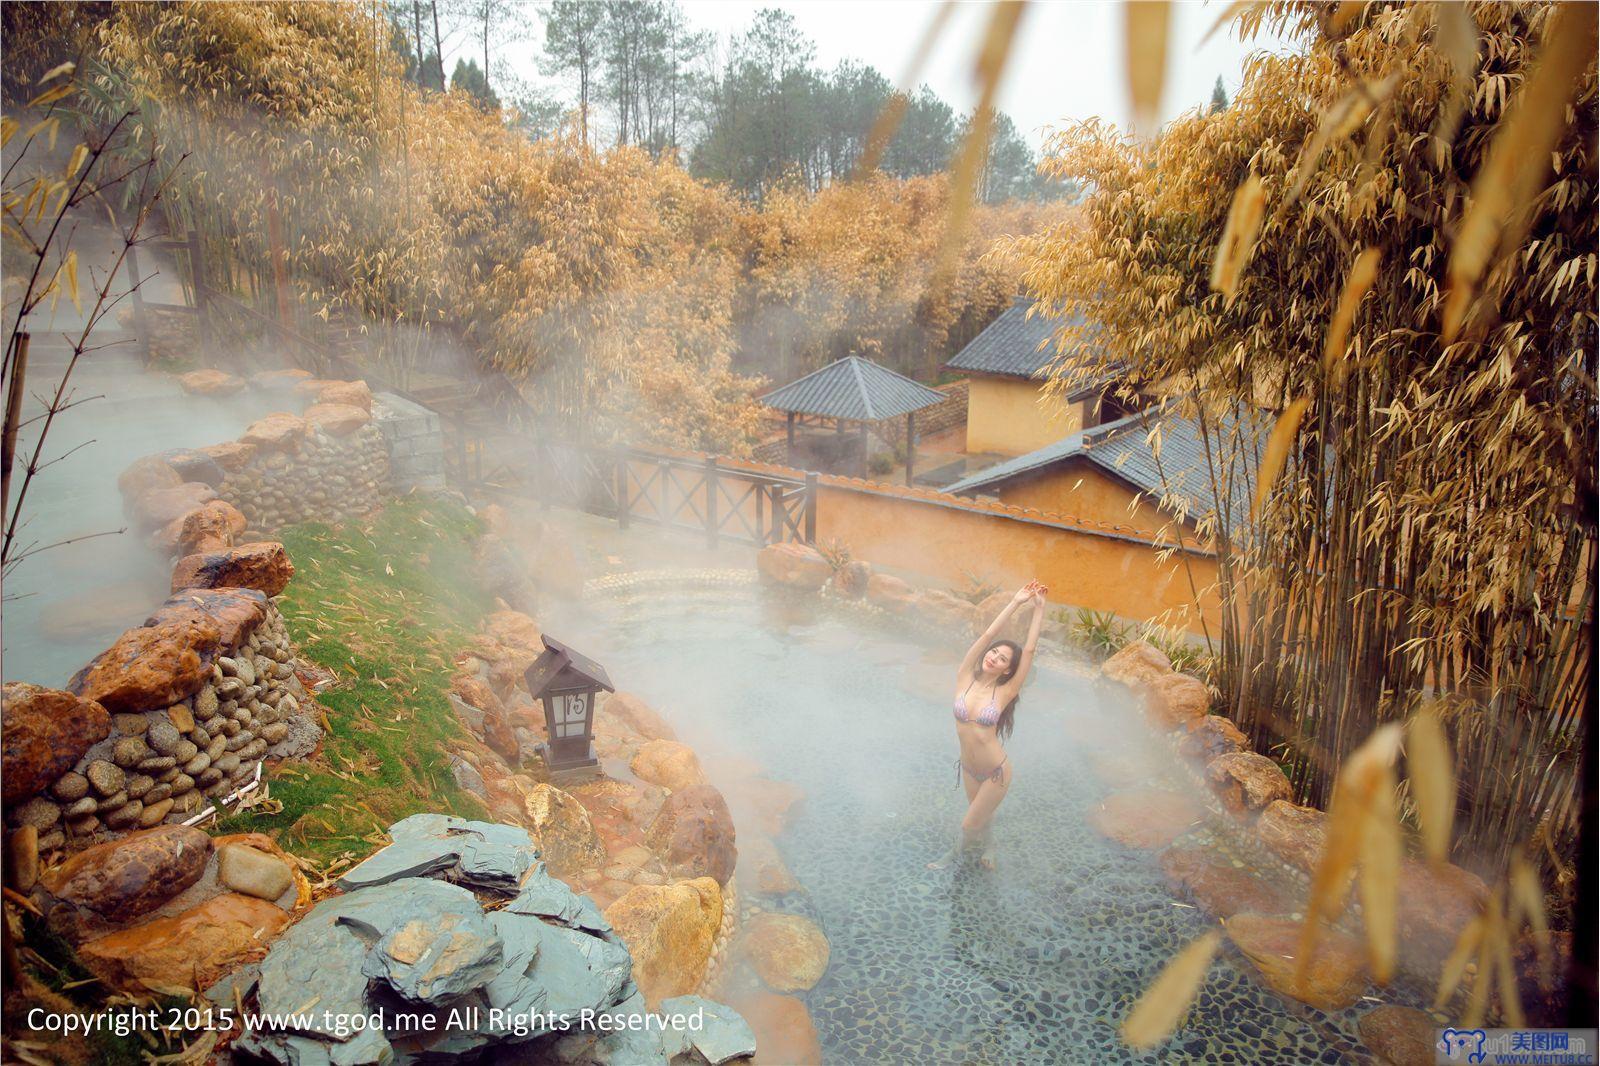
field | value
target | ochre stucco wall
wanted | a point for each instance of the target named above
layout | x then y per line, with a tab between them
1085	491
1082	568
1011	416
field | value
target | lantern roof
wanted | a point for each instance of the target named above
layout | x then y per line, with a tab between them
561	669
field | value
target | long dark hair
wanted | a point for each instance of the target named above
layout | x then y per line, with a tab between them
1008	717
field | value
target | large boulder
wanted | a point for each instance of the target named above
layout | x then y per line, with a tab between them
761	866
235	612
1219	887
284	379
788	951
232	455
278	432
188	950
475	692
1247	782
1335	977
191	464
158	508
693	834
337	419
794	565
208	528
784	1030
1294	834
669	764
253	870
941	609
638	715
346	393
146	475
670	931
1436	901
1176	700
1211	736
567	838
210	382
1136	664
890	593
152	666
1399	1036
263	565
1145	818
45	732
123	879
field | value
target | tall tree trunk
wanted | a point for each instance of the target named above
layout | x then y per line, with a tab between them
438	43
416	32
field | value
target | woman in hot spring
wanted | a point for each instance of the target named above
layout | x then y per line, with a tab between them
991	674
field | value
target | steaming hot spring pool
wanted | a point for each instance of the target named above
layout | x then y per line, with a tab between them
1037	962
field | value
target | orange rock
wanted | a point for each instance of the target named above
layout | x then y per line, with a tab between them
1247	782
1335	976
146	475
693	834
476	693
770	801
310	386
210	382
1218	886
567	838
890	593
235	612
496	521
276	432
188	950
669	764
263	565
1145	818
788	951
1209	737
122	879
44	733
761	865
785	1033
1176	700
943	609
514	629
279	379
501	737
669	930
208	528
152	666
351	393
637	715
795	565
337	419
1136	664
1295	834
1399	1036
1436	901
230	455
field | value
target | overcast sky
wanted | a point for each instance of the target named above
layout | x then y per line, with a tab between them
1067	64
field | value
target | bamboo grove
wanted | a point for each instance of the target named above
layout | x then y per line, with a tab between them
1431	537
614	289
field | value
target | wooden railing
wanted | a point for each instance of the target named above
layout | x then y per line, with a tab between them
635	485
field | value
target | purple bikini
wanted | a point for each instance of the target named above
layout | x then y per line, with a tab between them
988	716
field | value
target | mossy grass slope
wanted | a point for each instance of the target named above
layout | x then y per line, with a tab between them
385	604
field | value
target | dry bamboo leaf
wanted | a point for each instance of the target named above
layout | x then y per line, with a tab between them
1146	24
1223	19
1456	35
1527	897
1518	162
1431	770
1382	848
1455	966
1163	1005
1277	451
1356	284
1337	21
1346	116
1238	237
1478	998
1497	944
1366	770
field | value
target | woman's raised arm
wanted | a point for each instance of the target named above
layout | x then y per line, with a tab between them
986	638
1026	662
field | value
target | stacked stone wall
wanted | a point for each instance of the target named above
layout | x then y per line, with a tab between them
322	477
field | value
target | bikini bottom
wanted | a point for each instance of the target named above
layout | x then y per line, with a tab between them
998	773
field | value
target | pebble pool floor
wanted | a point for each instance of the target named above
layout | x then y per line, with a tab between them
1036	962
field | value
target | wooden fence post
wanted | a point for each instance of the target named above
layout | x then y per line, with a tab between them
621	459
711	501
811	507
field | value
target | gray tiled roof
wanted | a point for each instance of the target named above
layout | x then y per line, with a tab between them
1124	449
856	389
1015	345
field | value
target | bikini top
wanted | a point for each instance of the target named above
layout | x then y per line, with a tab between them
986	715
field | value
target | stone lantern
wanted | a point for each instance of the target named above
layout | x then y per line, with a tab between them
569	685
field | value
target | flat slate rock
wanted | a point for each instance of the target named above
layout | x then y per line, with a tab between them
546	897
724	1036
433	960
482	854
